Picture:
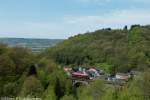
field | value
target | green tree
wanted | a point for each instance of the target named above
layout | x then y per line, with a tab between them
68	97
49	94
31	87
94	91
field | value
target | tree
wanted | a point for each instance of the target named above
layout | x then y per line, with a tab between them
31	87
66	97
133	92
125	27
111	94
49	94
94	91
146	84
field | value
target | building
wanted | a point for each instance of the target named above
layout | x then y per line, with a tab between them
123	76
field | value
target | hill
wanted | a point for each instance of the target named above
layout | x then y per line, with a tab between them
24	74
36	45
114	50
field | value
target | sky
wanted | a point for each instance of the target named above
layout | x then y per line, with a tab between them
60	19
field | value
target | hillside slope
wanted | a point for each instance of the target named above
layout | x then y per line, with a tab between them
115	50
36	45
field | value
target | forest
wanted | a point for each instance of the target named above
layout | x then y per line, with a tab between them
25	74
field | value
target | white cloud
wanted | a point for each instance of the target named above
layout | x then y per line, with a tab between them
141	1
106	2
113	19
73	25
99	2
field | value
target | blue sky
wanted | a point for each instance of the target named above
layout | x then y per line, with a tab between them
65	18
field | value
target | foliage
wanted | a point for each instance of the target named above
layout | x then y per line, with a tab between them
49	94
31	87
94	91
66	97
13	63
124	50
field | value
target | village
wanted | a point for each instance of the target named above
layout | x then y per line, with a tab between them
84	76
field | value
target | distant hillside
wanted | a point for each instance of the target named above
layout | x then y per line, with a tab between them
113	50
36	45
